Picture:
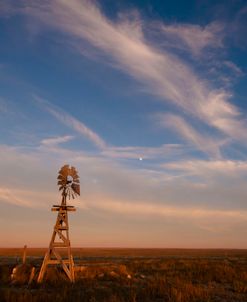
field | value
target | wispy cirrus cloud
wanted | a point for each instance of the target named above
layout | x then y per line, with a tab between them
113	192
53	141
10	196
226	168
192	37
68	120
112	187
236	69
25	197
147	209
136	152
224	172
108	151
163	74
204	142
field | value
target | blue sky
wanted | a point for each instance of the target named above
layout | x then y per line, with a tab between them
147	99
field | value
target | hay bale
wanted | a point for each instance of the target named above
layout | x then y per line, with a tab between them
21	273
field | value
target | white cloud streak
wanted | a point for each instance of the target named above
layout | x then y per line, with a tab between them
11	196
78	126
147	209
205	168
72	122
53	141
203	142
135	152
162	73
117	152
114	180
237	71
192	37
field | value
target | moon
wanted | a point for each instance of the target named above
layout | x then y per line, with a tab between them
140	158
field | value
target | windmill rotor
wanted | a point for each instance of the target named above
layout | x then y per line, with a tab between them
68	181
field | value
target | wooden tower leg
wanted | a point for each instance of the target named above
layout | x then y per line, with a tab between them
59	240
43	269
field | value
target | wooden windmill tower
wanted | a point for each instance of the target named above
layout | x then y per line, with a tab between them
68	181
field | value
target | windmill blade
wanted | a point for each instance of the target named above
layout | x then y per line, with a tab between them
60	176
66	167
64	170
75	176
73	170
64	174
61	182
76	188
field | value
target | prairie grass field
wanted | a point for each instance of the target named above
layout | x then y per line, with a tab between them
133	275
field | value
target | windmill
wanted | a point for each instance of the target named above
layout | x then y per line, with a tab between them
69	185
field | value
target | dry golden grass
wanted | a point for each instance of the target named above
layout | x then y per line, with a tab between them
134	275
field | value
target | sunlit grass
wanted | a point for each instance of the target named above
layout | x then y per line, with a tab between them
116	277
